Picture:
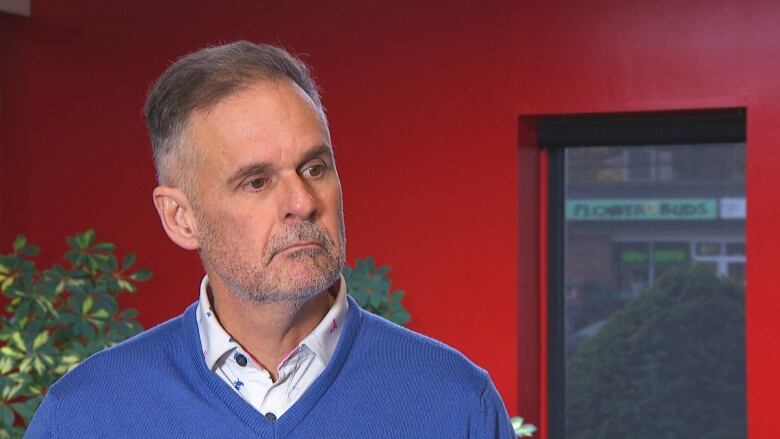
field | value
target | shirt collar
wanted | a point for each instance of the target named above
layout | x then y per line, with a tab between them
323	339
217	343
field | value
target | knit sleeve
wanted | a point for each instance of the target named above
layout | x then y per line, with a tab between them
495	422
43	424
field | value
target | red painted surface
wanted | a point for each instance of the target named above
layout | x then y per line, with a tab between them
424	100
531	218
544	178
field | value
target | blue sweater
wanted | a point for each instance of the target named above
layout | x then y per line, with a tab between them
383	381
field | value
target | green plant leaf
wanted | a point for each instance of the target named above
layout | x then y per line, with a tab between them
88	238
380	284
7	282
375	299
20	242
133	327
401	317
101	314
112	263
100	261
10	352
18	341
104	247
395	298
87	305
13	386
72	256
101	288
7	416
370	287
38	365
107	302
83	328
26	365
521	429
128	261
142	275
22	310
6	364
29	251
360	296
125	285
128	313
72	243
27	408
75	301
40	340
113	285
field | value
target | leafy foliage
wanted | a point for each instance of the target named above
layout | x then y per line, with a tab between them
370	287
669	364
597	302
55	318
522	429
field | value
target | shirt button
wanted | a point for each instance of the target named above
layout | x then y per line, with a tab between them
240	359
270	416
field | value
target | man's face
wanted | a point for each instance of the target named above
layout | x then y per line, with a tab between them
266	195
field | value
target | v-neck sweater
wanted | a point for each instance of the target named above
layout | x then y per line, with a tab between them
383	381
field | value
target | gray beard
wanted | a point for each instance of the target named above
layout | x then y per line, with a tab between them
300	295
255	284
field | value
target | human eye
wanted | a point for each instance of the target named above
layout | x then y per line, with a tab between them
255	184
314	170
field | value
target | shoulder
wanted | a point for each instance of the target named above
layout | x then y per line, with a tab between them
117	384
416	356
161	346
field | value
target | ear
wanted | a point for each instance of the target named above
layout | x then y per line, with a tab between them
176	216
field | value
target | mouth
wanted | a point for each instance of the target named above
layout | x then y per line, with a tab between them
303	244
298	246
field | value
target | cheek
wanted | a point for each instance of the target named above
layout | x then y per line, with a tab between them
247	231
258	230
333	217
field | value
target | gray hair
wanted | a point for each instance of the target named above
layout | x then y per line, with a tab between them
199	81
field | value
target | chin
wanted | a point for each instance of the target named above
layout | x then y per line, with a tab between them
305	270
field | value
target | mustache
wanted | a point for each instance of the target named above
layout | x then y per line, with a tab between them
296	233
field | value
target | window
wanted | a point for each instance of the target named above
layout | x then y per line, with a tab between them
647	275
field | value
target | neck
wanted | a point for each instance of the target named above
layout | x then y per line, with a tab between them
268	331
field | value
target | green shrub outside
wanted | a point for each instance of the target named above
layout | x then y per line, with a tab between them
669	364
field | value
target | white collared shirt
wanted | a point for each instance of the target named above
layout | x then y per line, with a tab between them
297	371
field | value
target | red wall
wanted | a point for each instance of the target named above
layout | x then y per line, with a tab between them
424	101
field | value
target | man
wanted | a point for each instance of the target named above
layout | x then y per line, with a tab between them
274	348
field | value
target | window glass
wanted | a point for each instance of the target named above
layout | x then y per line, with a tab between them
736	249
654	269
708	248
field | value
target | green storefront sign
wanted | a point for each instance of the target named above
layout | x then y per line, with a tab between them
642	210
659	256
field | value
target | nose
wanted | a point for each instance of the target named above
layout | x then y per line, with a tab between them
298	203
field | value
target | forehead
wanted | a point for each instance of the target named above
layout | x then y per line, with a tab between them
268	120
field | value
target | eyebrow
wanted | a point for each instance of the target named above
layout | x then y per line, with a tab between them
316	152
261	167
246	171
